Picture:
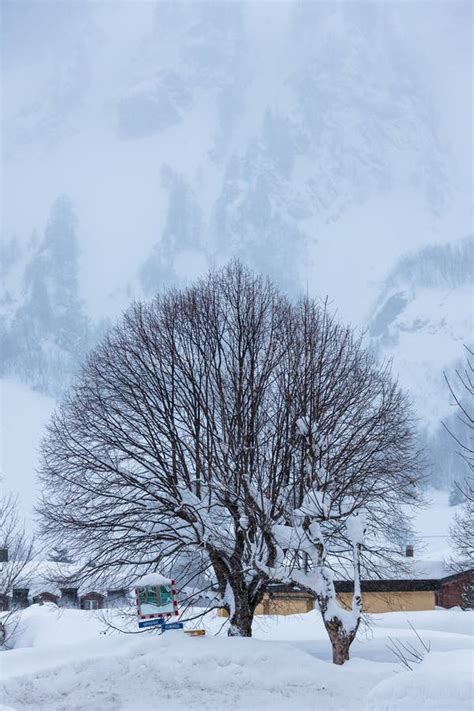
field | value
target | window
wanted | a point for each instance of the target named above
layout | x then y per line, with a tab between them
90	604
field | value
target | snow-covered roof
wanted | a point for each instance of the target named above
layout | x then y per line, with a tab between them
152	579
403	569
47	576
41	576
414	569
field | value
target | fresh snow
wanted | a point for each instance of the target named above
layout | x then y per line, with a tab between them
443	681
152	579
23	416
68	660
355	527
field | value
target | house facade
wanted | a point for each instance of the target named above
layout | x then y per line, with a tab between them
424	587
412	585
35	585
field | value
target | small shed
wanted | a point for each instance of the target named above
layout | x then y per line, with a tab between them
92	601
45	596
117	597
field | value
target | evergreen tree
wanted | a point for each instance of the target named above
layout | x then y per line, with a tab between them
48	335
60	555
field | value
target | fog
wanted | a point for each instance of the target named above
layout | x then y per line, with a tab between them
318	141
326	144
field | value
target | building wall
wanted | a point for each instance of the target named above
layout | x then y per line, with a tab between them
284	604
451	593
374	602
281	604
393	601
94	597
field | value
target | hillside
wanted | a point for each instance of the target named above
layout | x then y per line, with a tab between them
315	141
421	320
23	416
322	143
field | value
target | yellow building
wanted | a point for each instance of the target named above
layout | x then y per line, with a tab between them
421	586
382	596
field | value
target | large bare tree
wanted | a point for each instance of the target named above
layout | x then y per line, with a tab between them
185	436
461	388
176	436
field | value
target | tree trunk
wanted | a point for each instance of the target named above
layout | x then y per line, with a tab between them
241	611
240	623
340	641
241	607
240	597
340	649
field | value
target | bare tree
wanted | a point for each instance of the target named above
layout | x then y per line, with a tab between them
183	439
173	441
355	466
461	387
462	531
16	567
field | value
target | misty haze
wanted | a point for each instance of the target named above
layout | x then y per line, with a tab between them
315	158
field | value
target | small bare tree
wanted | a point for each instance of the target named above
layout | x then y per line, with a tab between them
409	653
16	571
461	387
355	467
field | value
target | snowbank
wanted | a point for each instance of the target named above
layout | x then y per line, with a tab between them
453	621
180	672
442	682
63	660
48	625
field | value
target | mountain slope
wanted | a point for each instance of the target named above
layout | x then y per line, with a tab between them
318	142
423	317
310	139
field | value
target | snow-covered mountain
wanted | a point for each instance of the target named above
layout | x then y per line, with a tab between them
322	143
314	140
423	317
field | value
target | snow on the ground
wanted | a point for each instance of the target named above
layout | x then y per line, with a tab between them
23	416
443	681
62	660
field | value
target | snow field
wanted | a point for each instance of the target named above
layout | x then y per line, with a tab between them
64	661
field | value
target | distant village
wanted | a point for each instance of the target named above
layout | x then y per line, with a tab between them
414	585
